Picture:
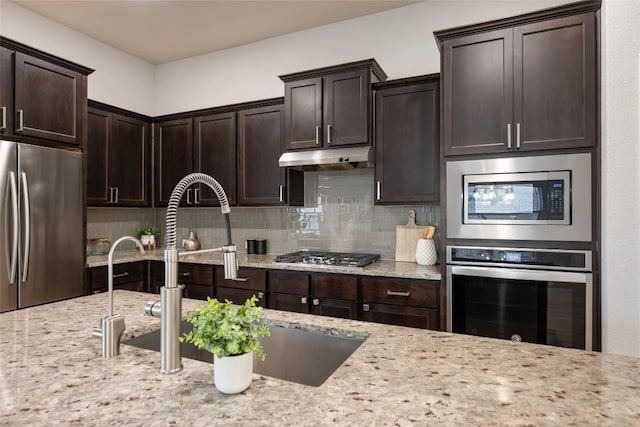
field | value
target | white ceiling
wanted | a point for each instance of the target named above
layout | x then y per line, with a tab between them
160	31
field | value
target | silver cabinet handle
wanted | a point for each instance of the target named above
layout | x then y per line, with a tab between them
189	196
185	274
117	195
281	193
303	300
365	307
378	190
3	125
125	274
329	134
509	136
110	194
316	301
27	226
517	136
20	121
317	135
260	295
196	196
13	262
398	294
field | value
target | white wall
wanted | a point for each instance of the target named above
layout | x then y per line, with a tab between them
119	78
621	176
401	40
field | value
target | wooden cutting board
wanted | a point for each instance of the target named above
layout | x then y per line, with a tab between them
407	239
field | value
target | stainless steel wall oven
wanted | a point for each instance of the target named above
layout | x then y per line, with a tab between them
520	198
534	295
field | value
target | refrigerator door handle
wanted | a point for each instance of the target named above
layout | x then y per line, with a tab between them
27	226
13	261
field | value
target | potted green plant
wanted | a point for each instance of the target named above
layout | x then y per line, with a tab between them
231	333
148	236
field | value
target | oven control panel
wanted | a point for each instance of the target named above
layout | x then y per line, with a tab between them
520	257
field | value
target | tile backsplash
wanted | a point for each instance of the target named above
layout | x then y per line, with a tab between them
338	215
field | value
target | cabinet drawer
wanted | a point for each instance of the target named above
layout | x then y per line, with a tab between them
289	282
239	296
415	317
188	274
332	286
197	291
122	274
288	302
256	279
421	293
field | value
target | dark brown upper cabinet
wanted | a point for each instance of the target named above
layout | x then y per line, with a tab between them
204	144
173	140
261	181
407	140
43	98
523	83
215	155
118	157
330	106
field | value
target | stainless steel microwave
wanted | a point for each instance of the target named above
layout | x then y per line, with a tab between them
520	198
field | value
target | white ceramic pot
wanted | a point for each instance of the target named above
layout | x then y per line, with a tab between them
148	241
426	252
233	374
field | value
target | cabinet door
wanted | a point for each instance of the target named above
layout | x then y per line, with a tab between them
415	317
346	108
48	100
407	144
174	157
129	169
261	181
477	91
239	296
344	309
555	83
253	279
215	155
288	302
303	113
97	154
6	91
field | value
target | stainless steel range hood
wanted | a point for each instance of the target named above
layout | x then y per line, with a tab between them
329	159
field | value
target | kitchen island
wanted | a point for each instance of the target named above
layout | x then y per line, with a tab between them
51	373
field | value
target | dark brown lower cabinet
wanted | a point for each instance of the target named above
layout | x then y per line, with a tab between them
404	302
197	279
334	295
129	276
289	291
253	282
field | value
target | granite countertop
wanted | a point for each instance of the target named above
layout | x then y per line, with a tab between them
51	373
382	268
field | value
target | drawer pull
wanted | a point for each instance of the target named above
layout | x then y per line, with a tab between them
20	121
260	295
303	300
316	301
125	274
365	307
398	294
186	274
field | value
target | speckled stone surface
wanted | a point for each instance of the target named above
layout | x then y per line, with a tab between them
378	268
51	373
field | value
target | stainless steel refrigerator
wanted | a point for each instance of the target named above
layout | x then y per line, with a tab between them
41	238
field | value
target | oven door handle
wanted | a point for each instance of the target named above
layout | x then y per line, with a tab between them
521	274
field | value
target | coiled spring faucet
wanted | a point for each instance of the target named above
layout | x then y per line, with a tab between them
170	310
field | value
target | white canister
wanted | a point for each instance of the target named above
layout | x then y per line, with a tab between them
426	252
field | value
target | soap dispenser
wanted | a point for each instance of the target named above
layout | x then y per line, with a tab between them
191	243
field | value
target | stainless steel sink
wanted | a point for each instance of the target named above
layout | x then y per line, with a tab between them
297	355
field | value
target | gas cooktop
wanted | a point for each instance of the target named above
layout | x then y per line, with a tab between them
340	259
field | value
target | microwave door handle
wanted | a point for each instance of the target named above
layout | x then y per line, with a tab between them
27	226
13	204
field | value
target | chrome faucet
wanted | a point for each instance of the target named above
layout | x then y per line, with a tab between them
170	310
112	326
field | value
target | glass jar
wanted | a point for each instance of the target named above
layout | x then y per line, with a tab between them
98	246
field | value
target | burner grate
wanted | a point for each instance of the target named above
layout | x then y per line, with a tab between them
341	259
